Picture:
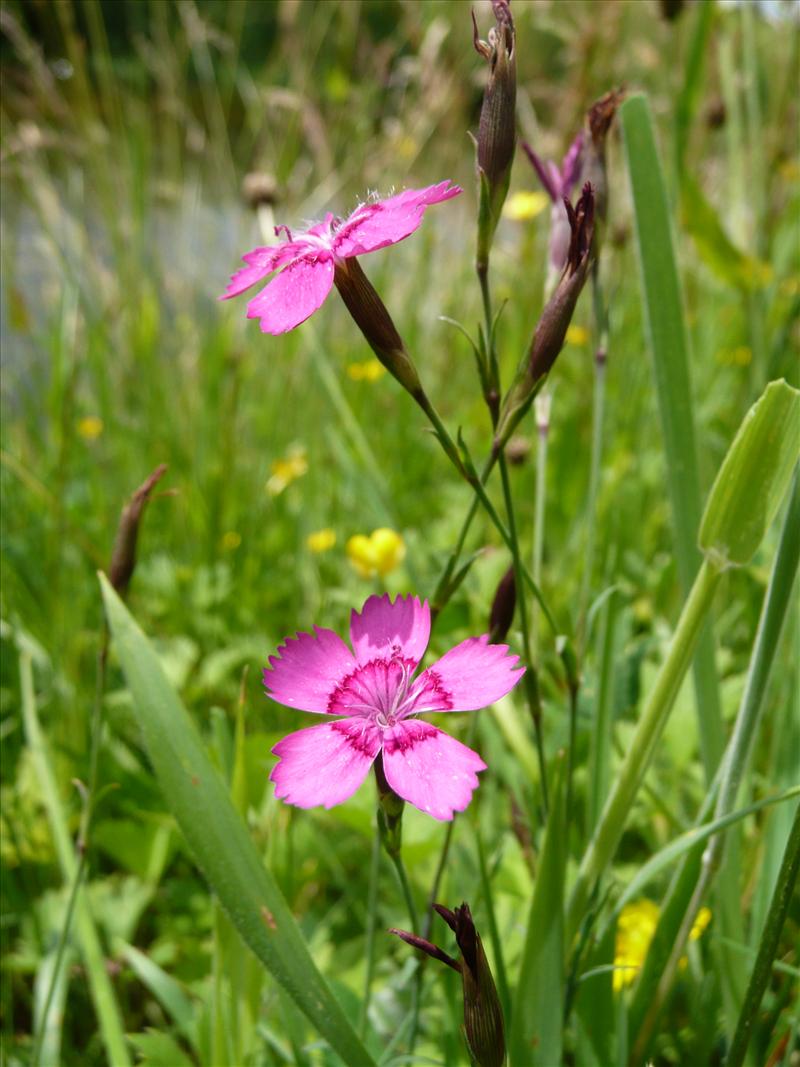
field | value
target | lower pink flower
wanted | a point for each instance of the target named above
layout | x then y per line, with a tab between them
375	697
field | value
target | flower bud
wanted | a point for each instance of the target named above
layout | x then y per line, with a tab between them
123	555
548	337
375	322
497	128
502	613
483	1016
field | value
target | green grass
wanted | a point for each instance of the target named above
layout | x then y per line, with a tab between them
121	221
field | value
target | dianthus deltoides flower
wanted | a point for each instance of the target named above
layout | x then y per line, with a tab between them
307	262
374	699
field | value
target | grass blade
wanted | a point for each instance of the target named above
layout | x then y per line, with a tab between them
219	839
669	346
537	1020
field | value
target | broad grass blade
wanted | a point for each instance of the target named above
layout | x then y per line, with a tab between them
219	839
669	345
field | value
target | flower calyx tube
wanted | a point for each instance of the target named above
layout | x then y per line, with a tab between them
548	337
372	318
497	127
483	1016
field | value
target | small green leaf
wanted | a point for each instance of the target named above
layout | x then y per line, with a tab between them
536	1022
753	478
218	836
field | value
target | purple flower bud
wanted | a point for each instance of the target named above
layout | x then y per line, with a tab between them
497	128
503	605
548	337
123	555
483	1016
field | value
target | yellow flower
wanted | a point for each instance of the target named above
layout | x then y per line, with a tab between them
286	470
380	553
321	540
368	370
525	205
90	427
636	926
577	335
231	540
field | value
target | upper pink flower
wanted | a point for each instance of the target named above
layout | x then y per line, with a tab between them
375	697
308	260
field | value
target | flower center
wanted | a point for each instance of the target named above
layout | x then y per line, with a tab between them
384	692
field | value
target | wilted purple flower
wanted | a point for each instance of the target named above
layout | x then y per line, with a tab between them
558	183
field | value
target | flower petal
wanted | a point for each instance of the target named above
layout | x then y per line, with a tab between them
471	675
261	262
385	222
294	294
324	765
430	769
307	670
387	629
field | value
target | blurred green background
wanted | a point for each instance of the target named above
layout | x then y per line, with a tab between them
131	134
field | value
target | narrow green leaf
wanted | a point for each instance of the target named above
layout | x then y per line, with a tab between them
754	477
175	1002
668	341
768	947
685	842
218	837
537	1019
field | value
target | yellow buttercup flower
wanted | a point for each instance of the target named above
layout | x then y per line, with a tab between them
287	470
321	540
525	205
577	335
636	926
380	553
90	427
367	370
231	540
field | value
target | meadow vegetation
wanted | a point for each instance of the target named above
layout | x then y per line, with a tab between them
145	147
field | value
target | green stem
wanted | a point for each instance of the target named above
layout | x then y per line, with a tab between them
399	866
770	938
540	503
598	409
640	752
531	679
83	837
372	922
108	1013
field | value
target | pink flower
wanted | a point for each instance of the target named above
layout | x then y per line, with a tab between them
308	261
375	698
